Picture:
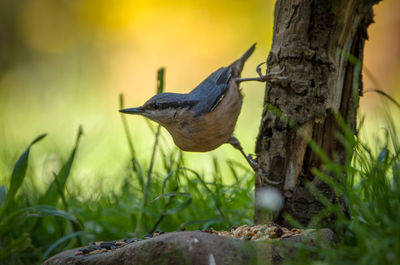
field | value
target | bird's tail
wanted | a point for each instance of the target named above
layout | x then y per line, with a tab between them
247	54
237	66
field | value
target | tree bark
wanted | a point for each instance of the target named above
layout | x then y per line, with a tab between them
312	40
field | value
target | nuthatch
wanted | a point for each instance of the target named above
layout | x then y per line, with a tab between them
205	118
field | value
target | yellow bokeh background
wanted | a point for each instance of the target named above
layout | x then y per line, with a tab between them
73	58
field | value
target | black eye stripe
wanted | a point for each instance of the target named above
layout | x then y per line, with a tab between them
176	104
156	105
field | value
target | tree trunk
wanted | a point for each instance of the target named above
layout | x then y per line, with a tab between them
312	40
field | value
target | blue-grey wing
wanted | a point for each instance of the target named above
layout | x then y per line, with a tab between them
208	93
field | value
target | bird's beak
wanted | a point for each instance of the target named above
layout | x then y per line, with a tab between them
138	110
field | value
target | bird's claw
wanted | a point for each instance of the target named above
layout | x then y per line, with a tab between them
280	72
252	162
271	182
263	78
256	167
258	69
273	75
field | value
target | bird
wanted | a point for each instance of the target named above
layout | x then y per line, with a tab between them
205	118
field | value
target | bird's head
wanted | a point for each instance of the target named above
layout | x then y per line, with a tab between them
160	108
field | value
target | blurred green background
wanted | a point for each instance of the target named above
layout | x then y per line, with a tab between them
64	62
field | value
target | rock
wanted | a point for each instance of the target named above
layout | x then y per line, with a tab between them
195	248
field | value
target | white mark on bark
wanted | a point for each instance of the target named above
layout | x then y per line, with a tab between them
211	259
290	180
191	242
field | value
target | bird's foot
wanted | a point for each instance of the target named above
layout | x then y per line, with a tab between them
257	169
269	77
252	162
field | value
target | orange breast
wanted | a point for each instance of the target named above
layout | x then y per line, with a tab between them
208	131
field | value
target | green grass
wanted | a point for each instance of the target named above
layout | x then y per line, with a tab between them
369	183
37	223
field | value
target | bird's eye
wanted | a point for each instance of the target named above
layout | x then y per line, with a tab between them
154	105
151	105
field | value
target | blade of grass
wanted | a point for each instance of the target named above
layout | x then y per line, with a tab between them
180	206
213	196
3	194
383	93
173	210
75	226
18	217
126	127
16	245
58	242
18	175
160	89
170	199
56	189
206	221
171	194
135	164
